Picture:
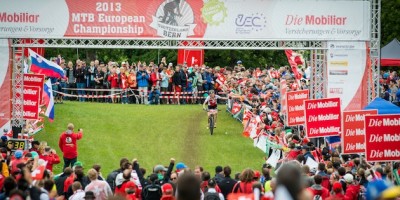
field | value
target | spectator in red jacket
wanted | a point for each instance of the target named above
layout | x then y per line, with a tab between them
50	156
317	189
337	192
352	190
68	145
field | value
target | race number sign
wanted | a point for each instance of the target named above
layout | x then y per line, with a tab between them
323	117
353	136
17	144
295	107
31	102
382	138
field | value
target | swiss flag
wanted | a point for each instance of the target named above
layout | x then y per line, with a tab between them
236	108
294	59
37	174
221	79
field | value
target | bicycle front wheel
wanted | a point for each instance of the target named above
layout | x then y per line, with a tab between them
211	123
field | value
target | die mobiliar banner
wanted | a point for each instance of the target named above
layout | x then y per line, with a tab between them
382	138
31	102
178	19
323	117
295	107
35	80
353	136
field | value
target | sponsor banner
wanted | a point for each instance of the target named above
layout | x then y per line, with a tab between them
295	107
211	20
283	91
346	63
5	84
35	80
382	137
31	102
323	117
353	136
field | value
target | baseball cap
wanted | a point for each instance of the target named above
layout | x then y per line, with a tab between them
239	62
89	195
4	138
337	187
180	166
170	64
34	154
123	63
78	163
130	184
166	188
348	178
158	168
18	153
256	174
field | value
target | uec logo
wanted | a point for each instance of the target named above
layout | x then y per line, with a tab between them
249	21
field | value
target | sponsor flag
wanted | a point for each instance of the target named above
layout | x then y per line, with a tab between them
41	65
49	99
236	108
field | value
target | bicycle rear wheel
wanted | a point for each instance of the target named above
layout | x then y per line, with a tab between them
211	123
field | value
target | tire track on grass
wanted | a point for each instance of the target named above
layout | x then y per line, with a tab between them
191	140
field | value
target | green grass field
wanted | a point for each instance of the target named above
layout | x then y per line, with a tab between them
153	135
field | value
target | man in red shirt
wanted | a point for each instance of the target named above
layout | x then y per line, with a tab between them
68	145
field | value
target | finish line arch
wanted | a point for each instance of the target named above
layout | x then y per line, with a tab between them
317	46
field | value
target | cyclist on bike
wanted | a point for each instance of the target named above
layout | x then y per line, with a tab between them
211	100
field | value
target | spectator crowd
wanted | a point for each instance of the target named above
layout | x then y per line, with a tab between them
254	99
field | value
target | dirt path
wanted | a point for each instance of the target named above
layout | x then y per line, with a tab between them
191	141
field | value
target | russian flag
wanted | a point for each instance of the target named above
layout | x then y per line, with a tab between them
42	66
49	99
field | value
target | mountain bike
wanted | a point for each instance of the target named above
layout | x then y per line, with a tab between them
211	120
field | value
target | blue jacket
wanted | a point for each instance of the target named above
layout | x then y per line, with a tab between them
143	81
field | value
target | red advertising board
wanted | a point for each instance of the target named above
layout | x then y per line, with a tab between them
323	117
283	96
192	57
382	138
35	80
353	140
295	107
31	102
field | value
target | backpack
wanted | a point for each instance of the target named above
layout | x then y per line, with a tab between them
111	179
152	192
317	195
211	196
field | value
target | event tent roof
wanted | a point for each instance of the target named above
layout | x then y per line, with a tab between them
383	106
390	54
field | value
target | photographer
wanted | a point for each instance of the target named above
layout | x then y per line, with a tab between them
50	156
154	96
68	145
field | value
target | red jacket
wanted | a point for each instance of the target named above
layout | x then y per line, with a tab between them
155	78
324	193
51	159
67	144
243	187
293	154
352	191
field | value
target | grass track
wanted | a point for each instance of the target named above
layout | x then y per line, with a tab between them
153	134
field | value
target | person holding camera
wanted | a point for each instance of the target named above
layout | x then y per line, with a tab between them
68	145
142	78
50	156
